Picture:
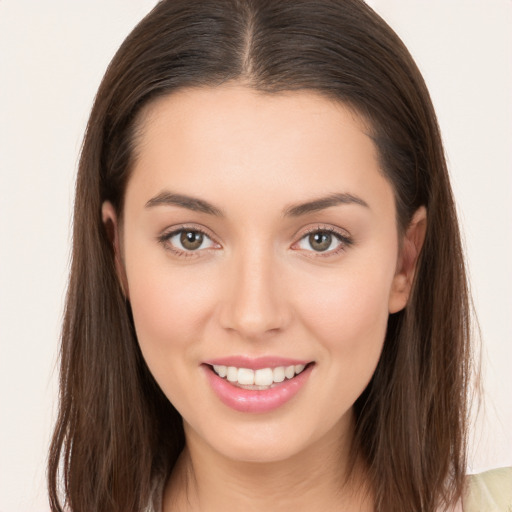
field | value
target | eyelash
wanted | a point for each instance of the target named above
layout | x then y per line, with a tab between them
165	238
345	241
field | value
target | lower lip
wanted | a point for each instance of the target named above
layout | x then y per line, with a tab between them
250	400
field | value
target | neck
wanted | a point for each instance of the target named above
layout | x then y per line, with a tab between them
315	479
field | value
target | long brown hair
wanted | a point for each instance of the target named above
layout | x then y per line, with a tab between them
116	431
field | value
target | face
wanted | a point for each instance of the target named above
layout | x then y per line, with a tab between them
259	237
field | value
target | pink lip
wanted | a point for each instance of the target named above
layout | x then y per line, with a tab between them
254	401
255	363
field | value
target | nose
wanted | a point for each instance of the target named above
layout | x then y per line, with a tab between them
255	304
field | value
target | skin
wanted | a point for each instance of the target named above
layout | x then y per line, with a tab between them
258	286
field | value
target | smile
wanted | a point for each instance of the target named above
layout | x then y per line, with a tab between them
260	389
263	378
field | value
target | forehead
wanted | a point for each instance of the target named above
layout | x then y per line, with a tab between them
236	108
286	146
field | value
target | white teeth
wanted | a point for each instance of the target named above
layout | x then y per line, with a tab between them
245	376
264	377
289	372
220	370
232	374
279	375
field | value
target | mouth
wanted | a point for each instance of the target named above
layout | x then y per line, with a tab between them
259	379
260	389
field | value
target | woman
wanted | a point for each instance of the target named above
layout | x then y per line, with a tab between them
267	305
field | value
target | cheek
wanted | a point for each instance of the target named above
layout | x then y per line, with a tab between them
348	317
171	313
170	310
349	304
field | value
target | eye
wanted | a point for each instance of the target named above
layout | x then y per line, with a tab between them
186	240
324	241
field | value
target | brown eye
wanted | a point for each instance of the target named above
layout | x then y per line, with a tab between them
187	241
191	240
324	240
320	241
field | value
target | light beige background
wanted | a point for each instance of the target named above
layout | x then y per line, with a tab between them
52	57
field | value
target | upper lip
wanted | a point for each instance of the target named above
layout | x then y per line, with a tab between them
255	363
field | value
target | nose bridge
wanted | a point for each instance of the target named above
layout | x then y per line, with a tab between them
255	303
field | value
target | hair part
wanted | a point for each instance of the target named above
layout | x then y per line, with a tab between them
116	431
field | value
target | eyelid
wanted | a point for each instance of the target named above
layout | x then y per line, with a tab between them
343	236
171	231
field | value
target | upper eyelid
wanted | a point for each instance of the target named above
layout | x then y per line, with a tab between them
164	238
341	234
173	230
344	238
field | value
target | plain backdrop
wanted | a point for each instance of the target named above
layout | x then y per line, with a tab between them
52	57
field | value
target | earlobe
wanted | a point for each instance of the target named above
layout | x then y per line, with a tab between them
111	223
412	244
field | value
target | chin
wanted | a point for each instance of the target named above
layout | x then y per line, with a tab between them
264	452
264	440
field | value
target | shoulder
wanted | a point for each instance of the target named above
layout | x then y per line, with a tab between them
489	492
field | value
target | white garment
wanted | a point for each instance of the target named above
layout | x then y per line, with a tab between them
489	492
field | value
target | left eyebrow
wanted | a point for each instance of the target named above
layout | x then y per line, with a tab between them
322	203
184	201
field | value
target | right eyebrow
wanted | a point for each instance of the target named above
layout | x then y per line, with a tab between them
184	201
322	203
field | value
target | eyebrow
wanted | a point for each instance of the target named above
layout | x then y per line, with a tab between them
296	210
322	203
184	201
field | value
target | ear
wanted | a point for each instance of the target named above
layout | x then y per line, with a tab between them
111	222
407	261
